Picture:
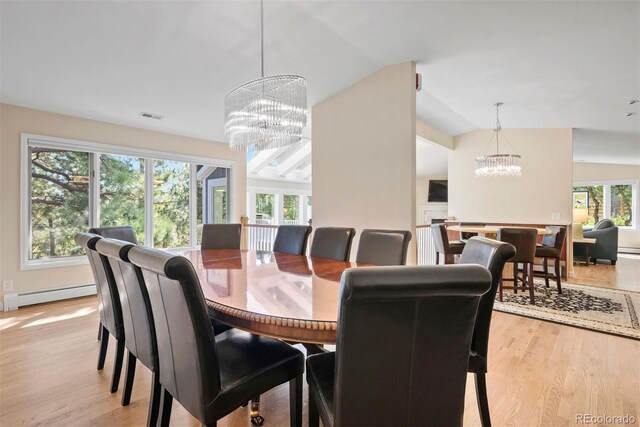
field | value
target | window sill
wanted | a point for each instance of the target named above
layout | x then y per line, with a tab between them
44	264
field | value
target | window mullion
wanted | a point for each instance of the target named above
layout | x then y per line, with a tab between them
94	190
606	195
148	202
193	200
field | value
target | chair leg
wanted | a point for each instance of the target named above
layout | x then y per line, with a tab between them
437	258
295	401
100	331
500	290
129	375
530	280
154	400
483	401
165	408
546	271
515	277
117	366
104	343
556	266
314	416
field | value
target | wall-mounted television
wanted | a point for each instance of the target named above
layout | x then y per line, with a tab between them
438	191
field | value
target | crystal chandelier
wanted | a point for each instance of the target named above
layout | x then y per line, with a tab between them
269	112
498	165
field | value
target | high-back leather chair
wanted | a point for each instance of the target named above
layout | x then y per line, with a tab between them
524	240
493	255
108	305
140	334
551	247
221	236
383	247
292	239
408	366
443	246
332	242
210	375
121	232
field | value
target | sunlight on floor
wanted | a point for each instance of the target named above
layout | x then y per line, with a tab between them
52	319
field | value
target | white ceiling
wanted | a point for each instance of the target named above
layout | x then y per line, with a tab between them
431	159
553	63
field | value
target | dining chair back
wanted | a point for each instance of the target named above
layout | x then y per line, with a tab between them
221	236
493	255
140	335
292	239
524	240
121	232
209	375
442	244
109	307
551	248
383	247
414	358
332	242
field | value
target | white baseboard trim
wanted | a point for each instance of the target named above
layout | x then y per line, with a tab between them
629	250
17	300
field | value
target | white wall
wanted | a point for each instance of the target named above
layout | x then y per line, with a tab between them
602	172
543	190
363	151
16	120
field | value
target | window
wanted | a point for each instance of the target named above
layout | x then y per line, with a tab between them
122	192
613	200
71	186
264	208
170	204
59	201
290	209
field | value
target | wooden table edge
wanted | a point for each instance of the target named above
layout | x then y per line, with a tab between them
283	328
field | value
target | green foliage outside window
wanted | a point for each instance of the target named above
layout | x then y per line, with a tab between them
59	201
290	210
170	204
122	192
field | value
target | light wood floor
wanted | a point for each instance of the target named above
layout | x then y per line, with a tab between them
540	374
624	275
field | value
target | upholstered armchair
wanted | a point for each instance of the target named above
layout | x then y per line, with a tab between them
606	247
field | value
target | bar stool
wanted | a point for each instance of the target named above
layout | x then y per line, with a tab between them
552	245
443	245
524	240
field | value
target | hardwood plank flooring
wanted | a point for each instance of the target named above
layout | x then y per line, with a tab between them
624	275
540	374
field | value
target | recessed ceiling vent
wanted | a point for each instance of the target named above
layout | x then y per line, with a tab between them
151	116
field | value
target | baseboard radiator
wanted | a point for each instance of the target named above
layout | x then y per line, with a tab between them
17	300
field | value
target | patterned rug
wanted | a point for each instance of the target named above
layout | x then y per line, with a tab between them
600	309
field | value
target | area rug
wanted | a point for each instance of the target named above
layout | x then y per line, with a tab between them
606	310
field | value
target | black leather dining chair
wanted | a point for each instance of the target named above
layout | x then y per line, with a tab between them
383	247
292	239
551	247
210	375
524	240
493	255
140	335
332	242
120	232
408	366
443	246
109	306
221	236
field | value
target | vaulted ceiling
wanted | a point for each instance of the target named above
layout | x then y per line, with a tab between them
553	63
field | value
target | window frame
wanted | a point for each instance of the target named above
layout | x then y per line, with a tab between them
95	150
606	197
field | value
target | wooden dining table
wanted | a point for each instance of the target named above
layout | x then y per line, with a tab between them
284	296
491	230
